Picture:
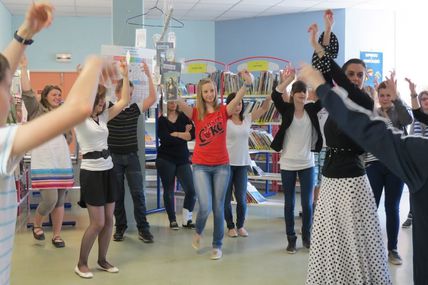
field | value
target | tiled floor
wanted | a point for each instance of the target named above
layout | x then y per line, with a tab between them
258	259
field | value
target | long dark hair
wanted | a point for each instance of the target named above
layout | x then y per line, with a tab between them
44	95
101	94
298	86
353	61
4	67
230	98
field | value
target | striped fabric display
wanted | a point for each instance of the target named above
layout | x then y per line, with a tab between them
52	178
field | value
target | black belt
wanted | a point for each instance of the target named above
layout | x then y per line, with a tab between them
105	153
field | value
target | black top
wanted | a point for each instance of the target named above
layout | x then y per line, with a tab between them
287	113
122	138
343	157
172	148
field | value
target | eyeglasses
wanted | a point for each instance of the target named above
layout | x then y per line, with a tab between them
360	75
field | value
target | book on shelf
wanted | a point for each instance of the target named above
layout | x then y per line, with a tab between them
263	83
271	115
253	195
171	79
260	140
254	169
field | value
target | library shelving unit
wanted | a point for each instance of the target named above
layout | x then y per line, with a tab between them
267	69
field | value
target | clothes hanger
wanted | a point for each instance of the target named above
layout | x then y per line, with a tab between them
154	8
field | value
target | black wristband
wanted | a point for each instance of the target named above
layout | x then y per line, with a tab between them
21	40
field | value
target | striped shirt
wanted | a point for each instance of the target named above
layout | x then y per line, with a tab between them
8	201
122	137
419	129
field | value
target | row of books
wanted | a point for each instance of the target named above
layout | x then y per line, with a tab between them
260	140
263	83
271	115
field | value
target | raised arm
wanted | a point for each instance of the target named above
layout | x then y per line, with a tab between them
287	76
76	108
255	115
185	108
403	114
328	27
124	97
28	97
241	92
413	94
38	16
151	99
400	154
25	80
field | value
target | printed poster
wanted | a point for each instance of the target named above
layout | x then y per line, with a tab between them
171	72
374	62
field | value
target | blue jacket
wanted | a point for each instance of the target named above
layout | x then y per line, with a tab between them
403	155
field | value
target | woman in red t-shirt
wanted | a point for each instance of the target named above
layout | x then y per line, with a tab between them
210	160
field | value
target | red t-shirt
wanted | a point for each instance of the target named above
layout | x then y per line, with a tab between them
210	142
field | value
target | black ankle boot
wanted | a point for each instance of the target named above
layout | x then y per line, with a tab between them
306	241
291	247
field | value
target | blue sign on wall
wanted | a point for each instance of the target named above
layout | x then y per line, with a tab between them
374	62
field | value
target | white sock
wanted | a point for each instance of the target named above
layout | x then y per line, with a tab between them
185	216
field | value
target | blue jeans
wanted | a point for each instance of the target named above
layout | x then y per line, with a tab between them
381	177
211	186
129	165
306	178
168	171
238	181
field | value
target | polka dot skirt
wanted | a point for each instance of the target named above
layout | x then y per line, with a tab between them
347	245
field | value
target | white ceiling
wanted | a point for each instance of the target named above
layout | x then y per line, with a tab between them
209	10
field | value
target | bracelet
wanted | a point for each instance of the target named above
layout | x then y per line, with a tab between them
21	40
247	85
413	95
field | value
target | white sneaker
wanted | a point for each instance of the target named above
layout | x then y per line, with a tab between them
242	232
216	254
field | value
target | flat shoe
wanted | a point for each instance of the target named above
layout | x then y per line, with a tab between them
85	275
58	242
113	269
40	236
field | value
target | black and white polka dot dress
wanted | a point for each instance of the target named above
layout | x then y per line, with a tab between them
347	245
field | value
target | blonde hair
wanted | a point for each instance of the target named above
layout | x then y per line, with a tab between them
200	102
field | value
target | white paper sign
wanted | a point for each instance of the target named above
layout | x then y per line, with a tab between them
140	38
136	73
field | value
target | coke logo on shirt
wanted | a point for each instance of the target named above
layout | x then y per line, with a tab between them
209	132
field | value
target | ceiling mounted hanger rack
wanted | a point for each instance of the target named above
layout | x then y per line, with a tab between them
177	23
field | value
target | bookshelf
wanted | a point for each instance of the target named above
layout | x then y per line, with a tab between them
267	74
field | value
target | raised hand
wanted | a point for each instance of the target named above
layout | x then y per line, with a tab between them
38	17
109	73
289	74
310	76
328	20
123	68
246	76
412	86
391	85
146	68
313	36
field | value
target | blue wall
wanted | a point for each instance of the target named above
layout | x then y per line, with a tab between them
283	36
79	36
195	40
5	26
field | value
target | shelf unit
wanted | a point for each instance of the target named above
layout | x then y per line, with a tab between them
272	177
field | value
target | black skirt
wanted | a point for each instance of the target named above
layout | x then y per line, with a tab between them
97	188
